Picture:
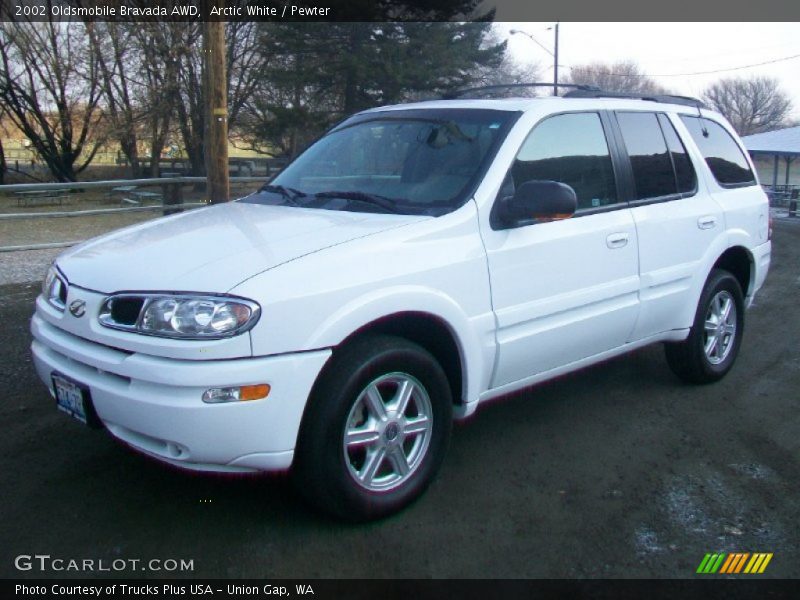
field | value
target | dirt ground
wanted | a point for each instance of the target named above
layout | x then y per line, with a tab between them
617	471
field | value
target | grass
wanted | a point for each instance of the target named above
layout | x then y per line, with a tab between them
43	230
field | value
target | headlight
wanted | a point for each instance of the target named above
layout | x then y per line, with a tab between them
54	289
179	316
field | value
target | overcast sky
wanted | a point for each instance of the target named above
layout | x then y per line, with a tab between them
671	52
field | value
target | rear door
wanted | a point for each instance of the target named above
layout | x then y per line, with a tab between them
734	185
564	290
676	218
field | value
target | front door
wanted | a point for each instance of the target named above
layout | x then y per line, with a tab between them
564	290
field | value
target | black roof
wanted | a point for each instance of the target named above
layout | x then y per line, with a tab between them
663	98
580	91
506	86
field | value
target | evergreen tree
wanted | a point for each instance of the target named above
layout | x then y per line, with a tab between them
316	74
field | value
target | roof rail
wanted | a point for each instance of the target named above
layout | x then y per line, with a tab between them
662	98
458	93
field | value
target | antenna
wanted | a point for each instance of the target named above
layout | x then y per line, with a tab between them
700	118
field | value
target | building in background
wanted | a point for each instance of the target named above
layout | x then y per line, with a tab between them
775	155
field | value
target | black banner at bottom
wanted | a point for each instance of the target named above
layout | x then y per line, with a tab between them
405	589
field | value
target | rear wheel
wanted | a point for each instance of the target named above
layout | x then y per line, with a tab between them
376	429
714	340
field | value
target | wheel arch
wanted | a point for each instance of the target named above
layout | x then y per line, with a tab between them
736	259
430	318
430	332
739	262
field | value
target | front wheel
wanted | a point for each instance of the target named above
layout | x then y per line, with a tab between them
375	430
716	335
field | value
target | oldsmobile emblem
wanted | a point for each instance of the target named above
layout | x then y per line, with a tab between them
77	308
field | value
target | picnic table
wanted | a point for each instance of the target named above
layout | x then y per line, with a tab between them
40	197
123	189
145	195
131	194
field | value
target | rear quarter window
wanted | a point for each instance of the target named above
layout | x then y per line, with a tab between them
723	155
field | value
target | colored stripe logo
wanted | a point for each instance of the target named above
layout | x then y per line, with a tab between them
737	562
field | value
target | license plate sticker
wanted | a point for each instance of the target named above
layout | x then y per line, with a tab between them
71	397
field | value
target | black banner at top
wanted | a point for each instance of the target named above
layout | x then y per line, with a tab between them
245	10
396	10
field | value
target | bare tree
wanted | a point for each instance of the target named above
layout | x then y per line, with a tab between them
160	45
3	134
509	70
190	101
50	89
293	100
3	165
752	105
117	60
183	65
245	65
623	76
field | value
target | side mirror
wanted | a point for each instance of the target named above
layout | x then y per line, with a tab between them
535	201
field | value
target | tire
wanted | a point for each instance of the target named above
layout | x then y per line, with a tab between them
714	340
392	454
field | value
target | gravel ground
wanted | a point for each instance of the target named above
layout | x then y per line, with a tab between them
25	266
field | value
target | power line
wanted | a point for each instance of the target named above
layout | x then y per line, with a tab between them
739	51
761	64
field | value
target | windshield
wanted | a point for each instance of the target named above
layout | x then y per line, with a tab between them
423	162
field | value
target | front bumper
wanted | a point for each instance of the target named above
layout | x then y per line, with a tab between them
154	404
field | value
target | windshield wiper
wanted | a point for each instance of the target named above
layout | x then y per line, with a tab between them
388	204
291	194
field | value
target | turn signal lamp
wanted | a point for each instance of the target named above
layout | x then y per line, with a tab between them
236	394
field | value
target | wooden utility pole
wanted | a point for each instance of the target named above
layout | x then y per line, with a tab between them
214	80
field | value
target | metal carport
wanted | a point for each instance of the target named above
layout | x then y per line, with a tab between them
770	151
781	145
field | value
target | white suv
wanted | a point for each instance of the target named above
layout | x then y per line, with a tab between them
413	263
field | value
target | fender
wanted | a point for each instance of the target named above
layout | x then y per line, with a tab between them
743	239
474	336
716	249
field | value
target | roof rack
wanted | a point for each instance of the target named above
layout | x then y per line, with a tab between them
662	98
458	93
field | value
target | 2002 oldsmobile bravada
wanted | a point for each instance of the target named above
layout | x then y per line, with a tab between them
414	262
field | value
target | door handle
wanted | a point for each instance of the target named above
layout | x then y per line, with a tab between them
707	222
617	240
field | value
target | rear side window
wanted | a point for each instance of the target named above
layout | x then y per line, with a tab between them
650	159
572	149
684	171
723	155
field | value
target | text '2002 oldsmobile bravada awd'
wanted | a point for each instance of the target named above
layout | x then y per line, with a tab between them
415	261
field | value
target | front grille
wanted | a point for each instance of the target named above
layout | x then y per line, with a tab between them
125	310
62	293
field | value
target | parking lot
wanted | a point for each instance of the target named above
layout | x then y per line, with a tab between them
617	471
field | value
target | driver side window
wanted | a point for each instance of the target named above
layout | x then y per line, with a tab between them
571	149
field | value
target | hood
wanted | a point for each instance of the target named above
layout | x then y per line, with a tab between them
213	249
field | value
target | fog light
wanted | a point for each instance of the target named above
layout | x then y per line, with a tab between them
236	394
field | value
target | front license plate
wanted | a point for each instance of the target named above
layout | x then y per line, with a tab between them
72	397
